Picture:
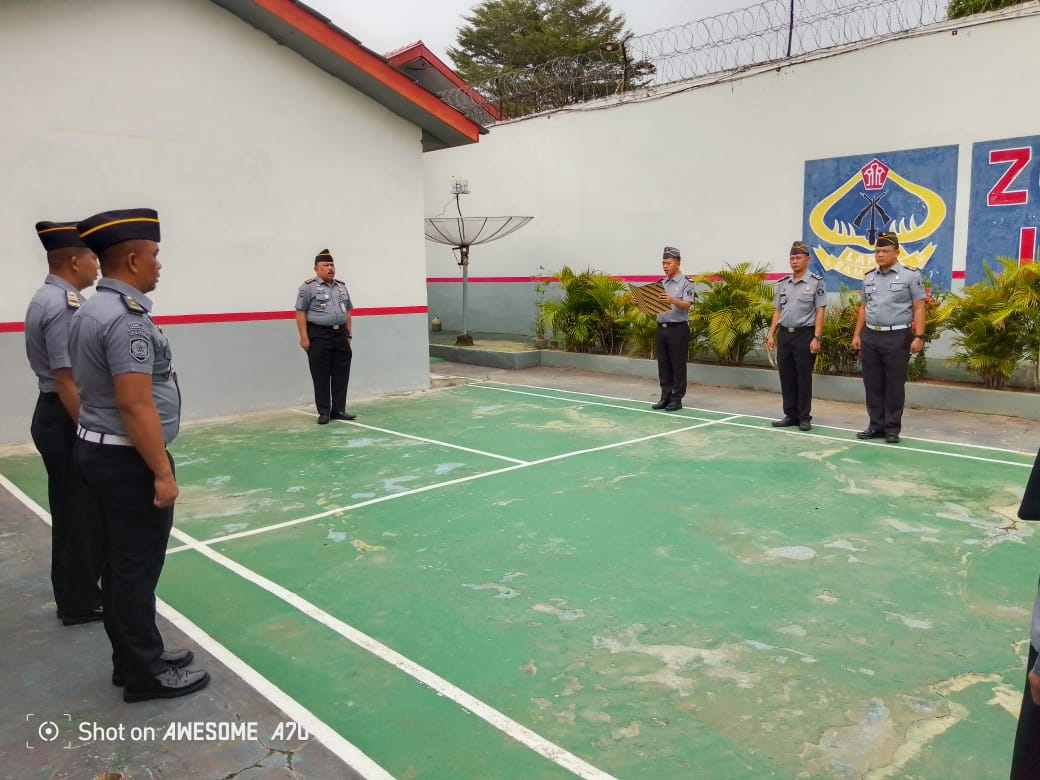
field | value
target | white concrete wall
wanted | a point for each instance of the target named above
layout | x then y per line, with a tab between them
718	169
255	160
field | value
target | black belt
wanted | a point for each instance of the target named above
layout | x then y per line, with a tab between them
799	329
672	324
326	327
48	396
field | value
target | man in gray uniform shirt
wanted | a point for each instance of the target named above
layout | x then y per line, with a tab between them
799	303
889	327
75	525
672	340
131	409
323	321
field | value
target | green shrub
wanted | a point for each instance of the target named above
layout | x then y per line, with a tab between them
996	322
836	355
733	312
595	313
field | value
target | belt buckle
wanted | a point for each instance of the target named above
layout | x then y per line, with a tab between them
790	330
335	327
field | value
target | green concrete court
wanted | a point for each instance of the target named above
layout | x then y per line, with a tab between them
503	581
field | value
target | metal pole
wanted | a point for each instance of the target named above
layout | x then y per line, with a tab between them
464	338
790	30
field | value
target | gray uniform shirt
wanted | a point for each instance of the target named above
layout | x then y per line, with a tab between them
47	329
682	288
325	304
889	297
114	334
798	301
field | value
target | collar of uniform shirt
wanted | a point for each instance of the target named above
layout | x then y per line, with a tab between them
57	281
124	289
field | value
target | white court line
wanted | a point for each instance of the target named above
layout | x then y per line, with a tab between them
491	385
349	507
329	737
394	496
485	712
670	415
420	438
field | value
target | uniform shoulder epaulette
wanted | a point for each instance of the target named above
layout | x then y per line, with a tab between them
312	279
339	281
871	271
783	279
132	305
816	276
71	299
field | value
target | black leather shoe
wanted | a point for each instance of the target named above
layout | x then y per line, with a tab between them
323	419
93	616
870	433
662	403
786	422
805	425
178	659
674	405
891	438
343	416
169	684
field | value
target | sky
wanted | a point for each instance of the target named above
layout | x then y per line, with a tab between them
385	25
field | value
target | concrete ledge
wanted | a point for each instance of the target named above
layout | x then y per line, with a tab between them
485	357
919	395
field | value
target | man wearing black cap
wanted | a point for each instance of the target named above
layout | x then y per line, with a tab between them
75	526
672	340
131	408
323	320
799	304
889	327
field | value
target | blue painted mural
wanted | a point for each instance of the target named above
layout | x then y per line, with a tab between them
1004	212
849	200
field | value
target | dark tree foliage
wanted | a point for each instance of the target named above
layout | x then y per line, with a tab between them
959	8
581	40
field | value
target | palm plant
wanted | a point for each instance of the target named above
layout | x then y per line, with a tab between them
593	315
836	354
996	322
734	311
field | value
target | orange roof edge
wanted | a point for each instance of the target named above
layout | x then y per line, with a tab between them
370	64
419	50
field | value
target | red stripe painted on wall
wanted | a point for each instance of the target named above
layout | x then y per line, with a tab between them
533	279
246	316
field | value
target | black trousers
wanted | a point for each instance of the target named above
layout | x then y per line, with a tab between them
76	534
136	533
795	362
885	357
672	345
1025	759
329	360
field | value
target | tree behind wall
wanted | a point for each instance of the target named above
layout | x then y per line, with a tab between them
959	8
513	36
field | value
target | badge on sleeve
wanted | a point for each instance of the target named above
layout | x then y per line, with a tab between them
140	344
72	299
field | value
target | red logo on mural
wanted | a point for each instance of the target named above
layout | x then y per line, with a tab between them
874	174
